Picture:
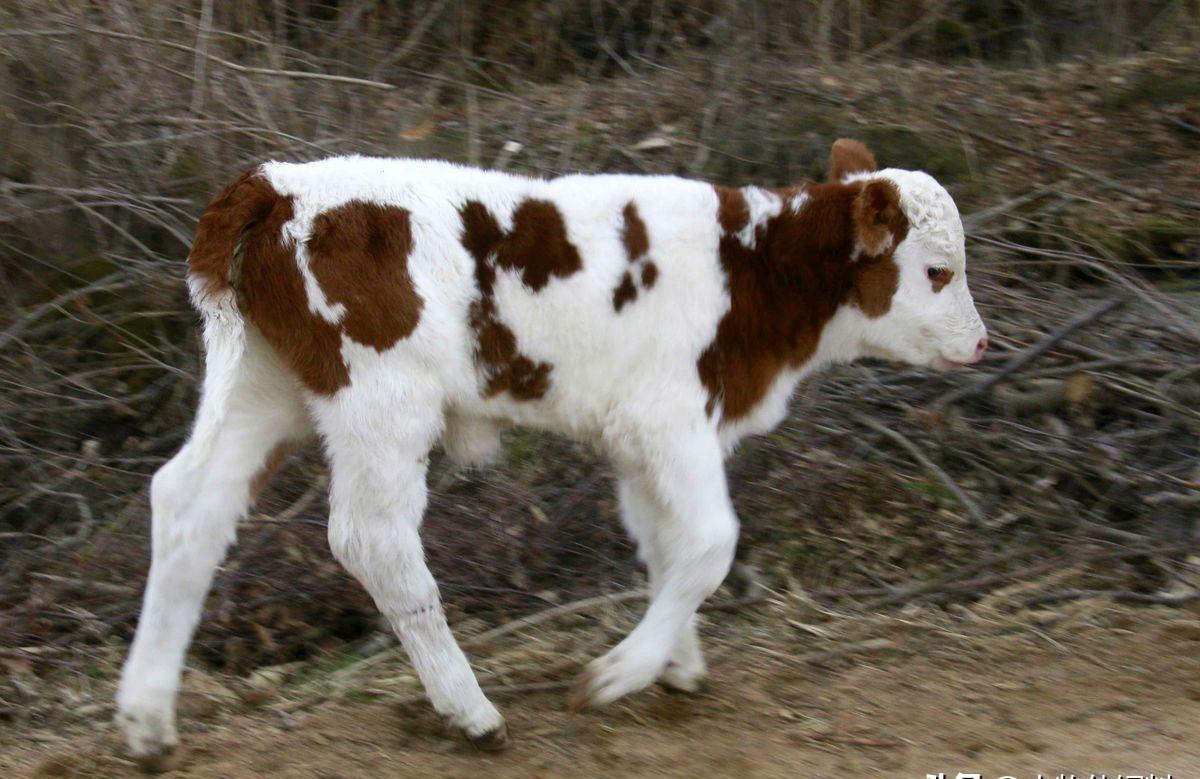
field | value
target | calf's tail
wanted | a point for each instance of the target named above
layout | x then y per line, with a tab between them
213	266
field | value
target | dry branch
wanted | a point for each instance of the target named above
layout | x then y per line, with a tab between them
99	376
1120	596
557	612
235	67
857	648
977	516
1032	353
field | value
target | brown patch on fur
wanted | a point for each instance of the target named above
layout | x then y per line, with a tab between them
481	234
358	254
233	211
732	210
785	288
877	214
633	234
649	275
879	222
272	296
785	194
504	367
637	246
848	157
875	282
626	292
537	245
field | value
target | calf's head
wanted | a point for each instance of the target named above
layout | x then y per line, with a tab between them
908	265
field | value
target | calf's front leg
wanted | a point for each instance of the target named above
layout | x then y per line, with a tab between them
695	535
640	513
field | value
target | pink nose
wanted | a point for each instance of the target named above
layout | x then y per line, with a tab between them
980	348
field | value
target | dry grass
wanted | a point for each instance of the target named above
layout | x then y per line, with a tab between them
1066	469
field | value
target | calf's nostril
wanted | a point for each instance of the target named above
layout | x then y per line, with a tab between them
981	347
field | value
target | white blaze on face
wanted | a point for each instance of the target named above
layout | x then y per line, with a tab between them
932	320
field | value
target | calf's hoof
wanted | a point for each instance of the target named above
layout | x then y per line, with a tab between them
614	675
675	678
494	740
150	738
166	758
579	694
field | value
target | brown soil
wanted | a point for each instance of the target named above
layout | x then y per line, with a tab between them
1120	694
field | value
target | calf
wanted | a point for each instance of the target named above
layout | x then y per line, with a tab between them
386	304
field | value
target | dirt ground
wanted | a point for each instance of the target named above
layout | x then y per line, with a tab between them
1115	695
1077	181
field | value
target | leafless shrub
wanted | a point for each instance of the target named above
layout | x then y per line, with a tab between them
119	123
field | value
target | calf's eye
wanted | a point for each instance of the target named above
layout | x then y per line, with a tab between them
936	273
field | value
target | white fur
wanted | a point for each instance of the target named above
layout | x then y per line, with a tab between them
926	327
197	499
625	380
762	204
224	345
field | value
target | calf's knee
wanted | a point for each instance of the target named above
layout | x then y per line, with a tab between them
711	555
167	488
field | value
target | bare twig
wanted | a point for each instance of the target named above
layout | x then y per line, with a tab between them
857	648
554	613
414	38
1032	353
929	18
976	514
295	74
1054	160
199	70
1120	596
85	585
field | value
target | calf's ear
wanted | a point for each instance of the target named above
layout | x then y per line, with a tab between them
848	157
879	222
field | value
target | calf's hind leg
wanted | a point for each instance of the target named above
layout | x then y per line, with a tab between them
378	446
196	501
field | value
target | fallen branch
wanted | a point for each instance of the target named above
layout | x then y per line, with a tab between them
1120	596
1182	125
944	582
858	741
1145	292
1032	353
295	74
552	614
85	586
860	647
975	220
1053	160
977	516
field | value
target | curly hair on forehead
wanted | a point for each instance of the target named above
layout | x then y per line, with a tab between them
931	212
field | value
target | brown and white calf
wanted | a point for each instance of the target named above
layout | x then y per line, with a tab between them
385	305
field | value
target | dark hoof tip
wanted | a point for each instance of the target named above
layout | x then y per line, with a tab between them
695	688
579	697
166	759
494	740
